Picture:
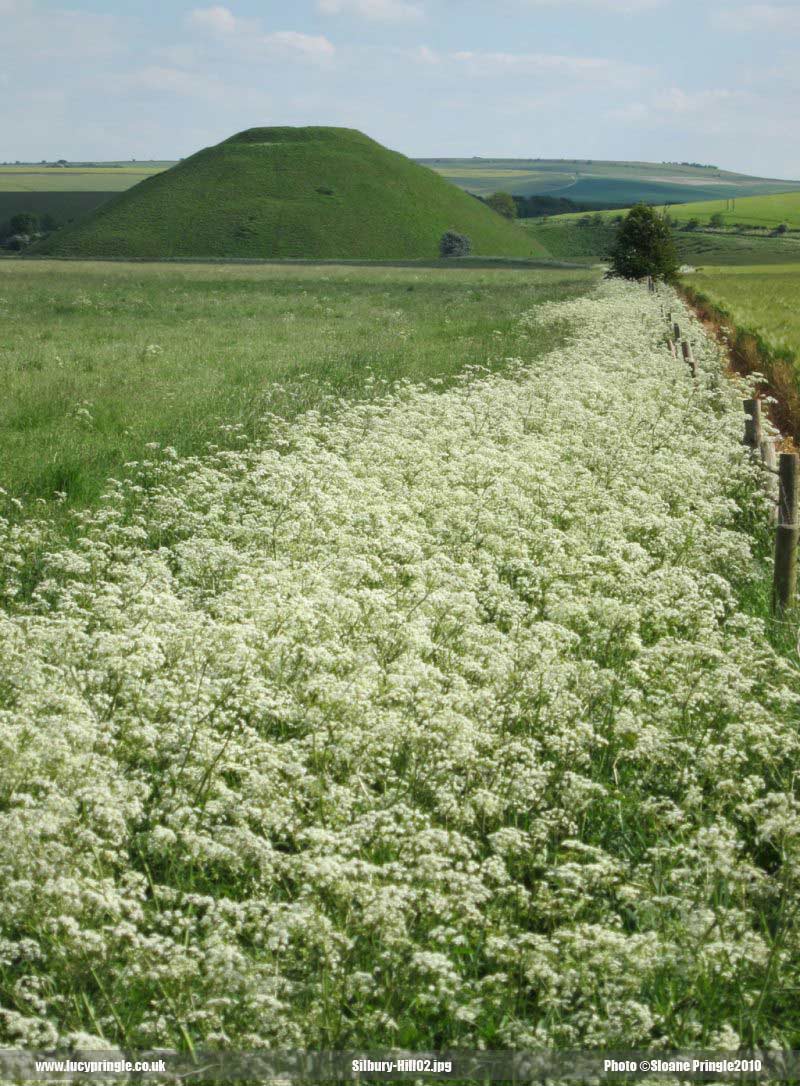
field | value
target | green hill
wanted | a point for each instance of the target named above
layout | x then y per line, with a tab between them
320	193
765	212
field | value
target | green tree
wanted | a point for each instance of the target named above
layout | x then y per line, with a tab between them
717	219
503	203
24	223
644	246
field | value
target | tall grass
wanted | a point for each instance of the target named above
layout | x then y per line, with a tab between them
756	312
99	360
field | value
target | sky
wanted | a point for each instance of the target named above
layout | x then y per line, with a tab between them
648	80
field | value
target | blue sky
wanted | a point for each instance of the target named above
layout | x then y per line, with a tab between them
654	80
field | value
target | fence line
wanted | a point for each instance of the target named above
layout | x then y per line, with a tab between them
782	475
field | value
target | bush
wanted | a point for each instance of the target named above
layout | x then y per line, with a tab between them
24	223
692	224
717	219
782	229
453	244
644	246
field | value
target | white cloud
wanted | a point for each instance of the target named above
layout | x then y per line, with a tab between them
177	81
630	114
61	34
424	55
247	36
219	20
625	7
707	111
580	69
387	11
312	45
677	102
758	17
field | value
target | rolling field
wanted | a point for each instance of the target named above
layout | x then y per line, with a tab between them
764	212
73	179
568	237
443	718
100	359
67	194
747	250
603	182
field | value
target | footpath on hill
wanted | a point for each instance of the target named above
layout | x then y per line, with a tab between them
438	724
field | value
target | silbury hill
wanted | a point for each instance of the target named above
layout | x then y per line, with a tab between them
312	193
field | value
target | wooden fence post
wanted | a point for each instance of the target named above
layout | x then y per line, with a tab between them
770	461
676	328
688	357
785	580
753	435
672	348
787	477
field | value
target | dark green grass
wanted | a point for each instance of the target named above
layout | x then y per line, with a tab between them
100	359
736	249
570	238
291	192
65	207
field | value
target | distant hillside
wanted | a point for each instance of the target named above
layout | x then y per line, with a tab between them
320	193
765	212
603	183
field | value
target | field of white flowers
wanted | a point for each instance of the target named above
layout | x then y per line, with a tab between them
439	722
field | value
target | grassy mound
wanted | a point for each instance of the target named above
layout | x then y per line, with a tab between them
319	193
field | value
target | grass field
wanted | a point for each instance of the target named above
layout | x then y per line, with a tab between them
317	193
736	249
764	212
438	721
756	309
72	179
566	237
757	211
571	241
100	359
762	299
